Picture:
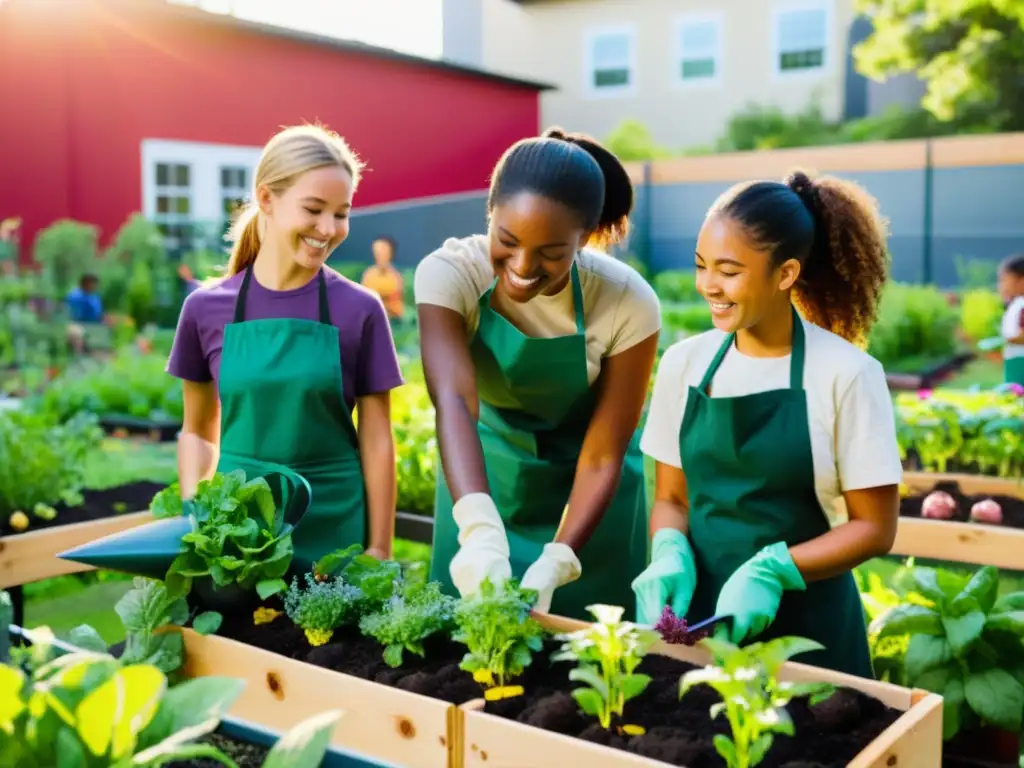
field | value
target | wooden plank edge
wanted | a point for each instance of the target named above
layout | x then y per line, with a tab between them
913	741
971	485
916	735
893	696
28	557
381	722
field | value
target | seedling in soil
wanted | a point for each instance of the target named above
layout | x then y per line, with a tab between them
607	654
753	699
495	626
321	607
408	618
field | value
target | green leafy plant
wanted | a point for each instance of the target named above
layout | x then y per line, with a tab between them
88	710
408	618
753	698
501	637
145	610
321	607
964	643
240	536
965	431
607	654
42	461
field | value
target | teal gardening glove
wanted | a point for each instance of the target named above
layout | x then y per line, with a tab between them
670	579
753	593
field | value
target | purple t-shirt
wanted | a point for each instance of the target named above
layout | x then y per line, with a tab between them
369	362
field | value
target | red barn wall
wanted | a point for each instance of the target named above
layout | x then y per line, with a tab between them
84	83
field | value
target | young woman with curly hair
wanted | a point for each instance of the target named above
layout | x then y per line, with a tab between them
777	466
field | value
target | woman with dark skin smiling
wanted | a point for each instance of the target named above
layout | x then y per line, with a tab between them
777	470
537	353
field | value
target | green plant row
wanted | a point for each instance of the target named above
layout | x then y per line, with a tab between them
963	431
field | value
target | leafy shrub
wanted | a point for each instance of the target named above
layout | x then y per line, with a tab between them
676	285
915	321
981	311
43	463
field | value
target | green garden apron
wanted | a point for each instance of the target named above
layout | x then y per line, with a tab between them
750	478
282	403
1013	370
530	455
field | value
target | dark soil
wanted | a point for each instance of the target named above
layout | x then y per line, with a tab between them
134	497
678	733
436	675
245	755
1013	508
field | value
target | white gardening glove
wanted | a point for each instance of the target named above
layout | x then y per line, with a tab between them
556	567
483	546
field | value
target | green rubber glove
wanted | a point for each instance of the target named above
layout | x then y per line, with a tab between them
753	593
669	580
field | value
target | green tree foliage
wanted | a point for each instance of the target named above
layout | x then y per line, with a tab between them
969	52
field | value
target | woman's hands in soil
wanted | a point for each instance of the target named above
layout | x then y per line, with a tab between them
556	567
753	593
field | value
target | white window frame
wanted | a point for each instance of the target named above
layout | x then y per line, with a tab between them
712	17
828	53
205	161
590	38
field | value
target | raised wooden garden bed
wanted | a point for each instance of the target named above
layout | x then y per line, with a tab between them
32	556
891	726
381	724
960	540
932	376
245	741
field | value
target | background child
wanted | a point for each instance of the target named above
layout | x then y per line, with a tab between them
1011	290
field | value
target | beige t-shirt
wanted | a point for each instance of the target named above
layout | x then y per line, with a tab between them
620	309
852	425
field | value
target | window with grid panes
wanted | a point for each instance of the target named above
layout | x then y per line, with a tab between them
234	189
698	46
174	203
803	37
610	60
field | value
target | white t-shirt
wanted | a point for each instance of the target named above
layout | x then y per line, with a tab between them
620	309
852	425
1011	328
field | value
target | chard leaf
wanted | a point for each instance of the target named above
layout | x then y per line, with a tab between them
946	682
982	587
925	653
927	582
964	623
996	697
1011	622
1011	602
908	619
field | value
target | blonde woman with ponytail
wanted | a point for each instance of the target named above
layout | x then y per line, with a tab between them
275	357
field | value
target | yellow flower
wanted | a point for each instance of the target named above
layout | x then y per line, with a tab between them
318	636
264	616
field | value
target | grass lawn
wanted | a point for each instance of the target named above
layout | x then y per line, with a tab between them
979	372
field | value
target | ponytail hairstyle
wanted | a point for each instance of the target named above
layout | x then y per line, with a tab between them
574	170
834	229
289	154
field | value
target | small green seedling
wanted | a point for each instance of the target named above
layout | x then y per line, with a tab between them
753	699
607	654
